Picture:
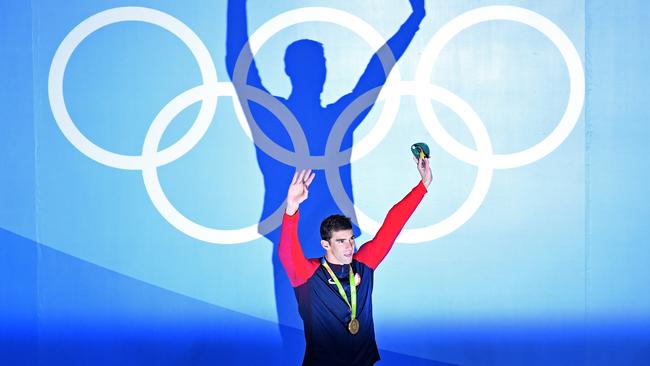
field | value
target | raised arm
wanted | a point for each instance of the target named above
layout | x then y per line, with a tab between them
374	251
298	268
376	73
237	43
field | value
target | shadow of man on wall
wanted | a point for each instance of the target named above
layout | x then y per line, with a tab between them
268	116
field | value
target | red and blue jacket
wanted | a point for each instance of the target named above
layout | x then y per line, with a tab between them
324	313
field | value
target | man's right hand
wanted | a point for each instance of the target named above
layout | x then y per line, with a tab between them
298	190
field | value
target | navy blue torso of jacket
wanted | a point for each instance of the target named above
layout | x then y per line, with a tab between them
326	316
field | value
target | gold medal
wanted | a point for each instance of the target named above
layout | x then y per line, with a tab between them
353	326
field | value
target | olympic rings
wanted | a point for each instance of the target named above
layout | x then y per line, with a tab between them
211	89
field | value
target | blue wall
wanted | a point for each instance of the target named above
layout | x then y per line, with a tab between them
550	269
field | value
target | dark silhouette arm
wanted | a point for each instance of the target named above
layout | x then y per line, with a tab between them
376	73
236	44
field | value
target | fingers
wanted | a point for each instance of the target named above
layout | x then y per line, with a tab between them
310	179
301	176
417	162
304	177
421	162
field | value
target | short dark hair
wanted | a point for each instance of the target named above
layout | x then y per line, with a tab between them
334	223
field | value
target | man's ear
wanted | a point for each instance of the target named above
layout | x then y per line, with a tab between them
325	244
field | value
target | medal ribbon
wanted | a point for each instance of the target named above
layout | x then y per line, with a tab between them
353	288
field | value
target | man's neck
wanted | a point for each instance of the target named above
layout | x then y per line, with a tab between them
338	268
305	98
332	260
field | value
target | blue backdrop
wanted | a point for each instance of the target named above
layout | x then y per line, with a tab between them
130	194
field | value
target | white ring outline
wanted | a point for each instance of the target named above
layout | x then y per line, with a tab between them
150	171
108	17
474	199
547	28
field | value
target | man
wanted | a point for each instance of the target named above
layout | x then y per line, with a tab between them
334	293
305	64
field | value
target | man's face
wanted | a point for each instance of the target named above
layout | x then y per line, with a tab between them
340	247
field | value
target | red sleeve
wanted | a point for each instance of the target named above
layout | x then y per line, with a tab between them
374	251
298	268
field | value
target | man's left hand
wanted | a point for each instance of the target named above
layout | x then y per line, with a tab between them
425	170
